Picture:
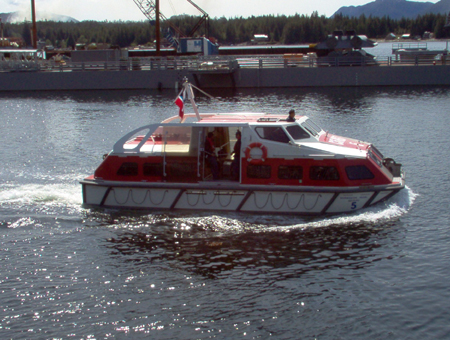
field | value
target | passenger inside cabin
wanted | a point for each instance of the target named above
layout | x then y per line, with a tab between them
291	117
235	165
210	155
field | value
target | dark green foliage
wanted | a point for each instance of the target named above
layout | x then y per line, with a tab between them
26	33
280	29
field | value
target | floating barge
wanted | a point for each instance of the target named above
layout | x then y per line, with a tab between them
226	73
288	69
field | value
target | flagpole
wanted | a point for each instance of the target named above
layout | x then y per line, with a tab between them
190	93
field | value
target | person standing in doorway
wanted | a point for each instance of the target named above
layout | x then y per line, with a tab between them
210	154
236	164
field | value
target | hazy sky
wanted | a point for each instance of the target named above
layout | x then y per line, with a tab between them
112	10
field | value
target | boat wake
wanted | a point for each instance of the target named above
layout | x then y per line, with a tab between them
48	198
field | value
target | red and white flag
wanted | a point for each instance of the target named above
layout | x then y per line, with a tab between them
180	103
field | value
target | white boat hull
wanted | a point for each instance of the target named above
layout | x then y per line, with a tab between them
301	201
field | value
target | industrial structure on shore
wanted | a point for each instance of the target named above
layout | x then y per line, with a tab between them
339	60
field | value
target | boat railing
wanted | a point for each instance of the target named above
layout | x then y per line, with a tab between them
416	46
20	65
217	64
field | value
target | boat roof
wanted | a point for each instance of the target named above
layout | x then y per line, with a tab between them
234	117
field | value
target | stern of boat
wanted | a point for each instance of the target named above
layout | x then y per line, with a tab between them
394	168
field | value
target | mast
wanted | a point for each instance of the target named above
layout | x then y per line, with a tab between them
34	31
157	29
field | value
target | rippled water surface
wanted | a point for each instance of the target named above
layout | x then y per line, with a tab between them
69	272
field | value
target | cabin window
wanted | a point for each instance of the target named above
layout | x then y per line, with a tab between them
128	169
323	173
312	127
373	156
177	134
181	172
290	172
376	151
153	169
358	172
186	169
259	171
273	133
297	132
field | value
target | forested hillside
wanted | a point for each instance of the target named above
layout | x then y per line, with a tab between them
280	29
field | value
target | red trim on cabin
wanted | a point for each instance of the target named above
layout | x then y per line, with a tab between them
343	141
111	165
184	170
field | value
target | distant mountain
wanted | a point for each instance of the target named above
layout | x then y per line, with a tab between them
442	7
40	16
5	17
395	9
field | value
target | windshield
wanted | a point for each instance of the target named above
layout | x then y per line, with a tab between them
312	127
273	133
297	132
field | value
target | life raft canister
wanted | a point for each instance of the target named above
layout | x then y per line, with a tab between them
256	160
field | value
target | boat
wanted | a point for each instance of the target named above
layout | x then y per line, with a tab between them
417	53
283	167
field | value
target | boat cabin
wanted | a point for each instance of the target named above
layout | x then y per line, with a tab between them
273	152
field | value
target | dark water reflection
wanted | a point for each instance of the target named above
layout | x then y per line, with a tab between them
341	96
213	254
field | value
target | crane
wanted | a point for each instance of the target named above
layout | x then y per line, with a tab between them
203	19
149	9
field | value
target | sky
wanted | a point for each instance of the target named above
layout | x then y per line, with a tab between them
114	10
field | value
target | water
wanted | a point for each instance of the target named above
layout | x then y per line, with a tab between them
69	272
384	49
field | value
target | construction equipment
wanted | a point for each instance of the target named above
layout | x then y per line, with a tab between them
203	19
149	9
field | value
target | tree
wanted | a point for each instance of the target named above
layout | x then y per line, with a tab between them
26	34
70	42
281	29
292	33
82	40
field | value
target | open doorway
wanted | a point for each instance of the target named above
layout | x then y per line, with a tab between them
217	153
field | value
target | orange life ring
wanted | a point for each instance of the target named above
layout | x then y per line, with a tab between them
256	160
